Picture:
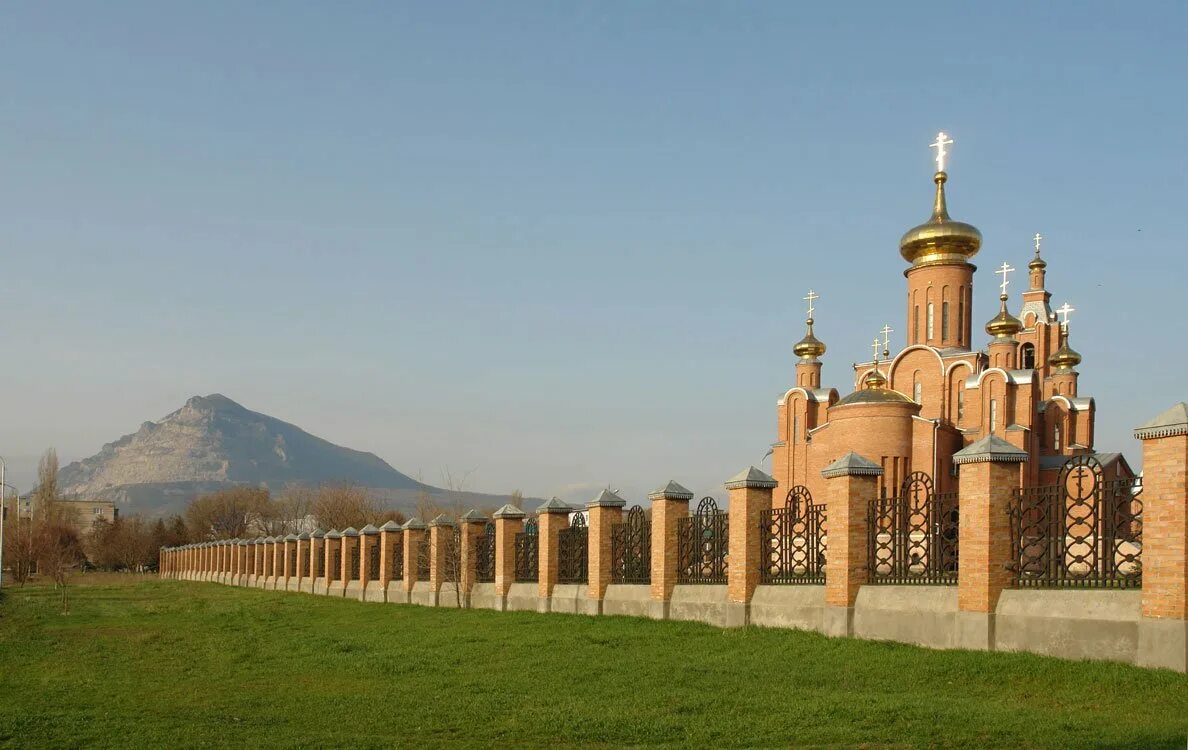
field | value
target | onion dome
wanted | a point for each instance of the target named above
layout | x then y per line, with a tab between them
874	391
809	347
1065	358
940	239
1004	325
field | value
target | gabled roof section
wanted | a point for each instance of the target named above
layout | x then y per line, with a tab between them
1170	423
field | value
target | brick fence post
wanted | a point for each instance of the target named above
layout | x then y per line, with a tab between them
317	560
302	571
605	511
750	495
350	569
258	562
442	570
369	539
276	551
509	521
473	526
290	568
391	537
414	532
332	543
670	503
853	482
1163	629
989	476
552	516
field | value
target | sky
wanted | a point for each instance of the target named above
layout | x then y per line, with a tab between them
559	246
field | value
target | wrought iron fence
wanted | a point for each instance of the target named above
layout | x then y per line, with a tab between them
423	558
794	540
703	545
484	555
320	561
335	563
293	561
573	551
631	549
373	560
398	557
354	572
527	545
1083	532
912	537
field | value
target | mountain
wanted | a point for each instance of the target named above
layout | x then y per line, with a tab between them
212	443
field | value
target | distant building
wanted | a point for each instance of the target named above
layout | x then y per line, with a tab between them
84	511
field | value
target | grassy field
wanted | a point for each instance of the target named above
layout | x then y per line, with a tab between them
146	663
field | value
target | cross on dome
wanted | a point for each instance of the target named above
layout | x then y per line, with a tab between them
1037	238
1004	270
875	346
1064	311
810	298
942	140
887	331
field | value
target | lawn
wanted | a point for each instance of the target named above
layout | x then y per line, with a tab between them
148	663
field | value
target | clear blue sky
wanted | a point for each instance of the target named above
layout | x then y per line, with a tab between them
559	245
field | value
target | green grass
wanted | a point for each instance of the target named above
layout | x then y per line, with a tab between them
147	663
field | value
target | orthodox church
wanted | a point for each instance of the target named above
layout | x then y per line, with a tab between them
914	410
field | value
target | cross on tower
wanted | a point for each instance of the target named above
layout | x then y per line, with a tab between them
942	140
887	331
810	298
875	346
1004	270
1064	311
1037	238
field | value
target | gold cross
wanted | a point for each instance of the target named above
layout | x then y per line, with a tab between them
1037	238
942	140
1004	270
887	331
1064	311
812	296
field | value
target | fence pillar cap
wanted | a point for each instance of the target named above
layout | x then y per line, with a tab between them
303	536
852	465
442	520
414	524
554	505
607	499
369	530
334	534
990	448
509	511
317	534
670	491
291	538
1170	423
751	477
350	531
473	516
390	526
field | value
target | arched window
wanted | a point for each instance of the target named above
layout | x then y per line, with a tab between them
944	321
916	324
1027	357
917	388
993	415
960	403
1056	438
960	315
795	427
931	321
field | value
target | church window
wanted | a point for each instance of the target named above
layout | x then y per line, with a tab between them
960	314
795	427
944	321
1056	438
993	415
916	324
917	392
960	403
931	321
1027	356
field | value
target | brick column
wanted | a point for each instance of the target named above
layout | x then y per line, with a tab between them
552	516
389	541
670	503
267	561
224	560
473	526
442	570
369	539
349	570
1163	629
414	532
278	561
289	570
317	558
852	484
605	511
333	546
509	521
302	571
989	476
750	495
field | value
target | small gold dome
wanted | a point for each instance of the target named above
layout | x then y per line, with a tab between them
810	346
1065	358
875	391
874	379
1037	263
940	239
1004	325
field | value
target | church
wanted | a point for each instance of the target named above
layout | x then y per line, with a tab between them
912	411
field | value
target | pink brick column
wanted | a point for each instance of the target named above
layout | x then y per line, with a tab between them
852	484
670	503
605	511
1163	629
289	569
509	521
473	526
414	533
552	516
750	495
333	545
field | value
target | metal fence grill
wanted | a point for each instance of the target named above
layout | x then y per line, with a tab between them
423	559
573	546
293	561
373	561
320	561
1082	532
398	558
631	549
355	573
335	563
912	537
794	540
703	545
484	555
527	546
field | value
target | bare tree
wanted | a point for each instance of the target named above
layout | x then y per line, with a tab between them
338	506
227	514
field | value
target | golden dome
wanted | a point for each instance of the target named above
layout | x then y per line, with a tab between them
1004	325
810	346
1065	357
874	391
940	239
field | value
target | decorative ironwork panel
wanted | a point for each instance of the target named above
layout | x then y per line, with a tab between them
335	563
293	561
398	558
423	558
1083	532
320	562
631	549
484	555
373	561
703	545
353	566
527	544
573	546
794	540
912	537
